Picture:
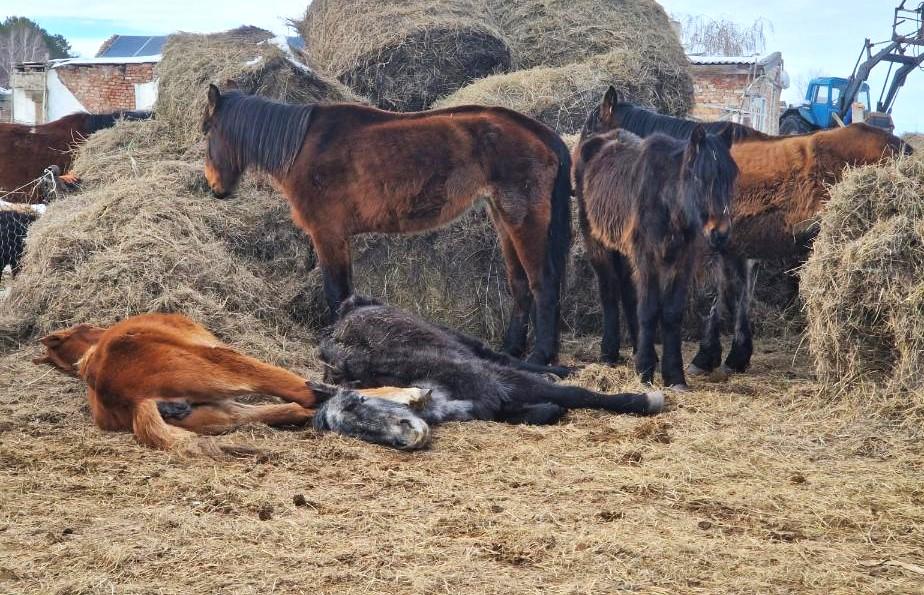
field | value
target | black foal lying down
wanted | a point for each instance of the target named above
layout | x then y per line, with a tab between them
377	345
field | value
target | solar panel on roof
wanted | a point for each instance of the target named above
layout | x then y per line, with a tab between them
127	46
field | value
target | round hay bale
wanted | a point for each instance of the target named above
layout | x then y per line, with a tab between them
562	96
560	32
252	58
404	55
863	286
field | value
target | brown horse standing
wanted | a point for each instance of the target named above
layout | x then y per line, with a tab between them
782	188
348	169
652	203
25	151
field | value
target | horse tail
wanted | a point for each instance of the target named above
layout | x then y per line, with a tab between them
559	236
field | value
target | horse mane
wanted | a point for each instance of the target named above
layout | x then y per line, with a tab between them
260	132
644	122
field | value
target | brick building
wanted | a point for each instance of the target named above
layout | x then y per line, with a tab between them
739	89
120	77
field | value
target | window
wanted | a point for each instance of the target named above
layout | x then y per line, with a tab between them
822	94
835	95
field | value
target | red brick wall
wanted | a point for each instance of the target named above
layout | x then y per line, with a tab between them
105	87
715	90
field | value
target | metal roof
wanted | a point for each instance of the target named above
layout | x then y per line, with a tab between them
706	60
130	46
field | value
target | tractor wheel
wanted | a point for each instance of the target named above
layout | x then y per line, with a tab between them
794	124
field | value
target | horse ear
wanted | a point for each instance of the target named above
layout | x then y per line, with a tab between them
322	392
698	135
608	107
214	97
53	340
728	135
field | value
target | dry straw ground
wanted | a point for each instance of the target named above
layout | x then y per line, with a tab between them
751	486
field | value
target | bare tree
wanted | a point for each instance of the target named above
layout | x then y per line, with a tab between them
720	37
802	80
20	42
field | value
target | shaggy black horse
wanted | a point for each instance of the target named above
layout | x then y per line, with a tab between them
373	344
650	204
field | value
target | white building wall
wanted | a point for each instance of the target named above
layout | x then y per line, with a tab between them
61	101
24	108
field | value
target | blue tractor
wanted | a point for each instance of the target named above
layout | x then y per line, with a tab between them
830	101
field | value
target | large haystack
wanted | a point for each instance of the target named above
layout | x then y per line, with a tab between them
864	285
404	55
560	32
255	60
146	236
562	96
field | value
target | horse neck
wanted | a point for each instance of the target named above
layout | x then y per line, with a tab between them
268	137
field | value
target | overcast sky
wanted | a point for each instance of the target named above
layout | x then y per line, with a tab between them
812	38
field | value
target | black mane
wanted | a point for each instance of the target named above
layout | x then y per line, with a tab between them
644	122
260	132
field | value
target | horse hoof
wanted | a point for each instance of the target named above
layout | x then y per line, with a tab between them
694	370
679	388
655	402
727	370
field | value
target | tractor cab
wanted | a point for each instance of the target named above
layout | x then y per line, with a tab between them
823	101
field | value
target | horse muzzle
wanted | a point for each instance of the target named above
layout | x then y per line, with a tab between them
413	434
718	240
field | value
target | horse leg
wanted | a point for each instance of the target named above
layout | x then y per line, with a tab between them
629	297
232	374
739	356
673	303
530	239
336	263
538	414
609	280
649	312
219	418
709	355
518	328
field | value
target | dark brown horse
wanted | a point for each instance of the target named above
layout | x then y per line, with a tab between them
782	188
25	151
652	204
348	169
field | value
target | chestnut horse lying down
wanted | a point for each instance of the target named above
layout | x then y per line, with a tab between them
167	379
377	345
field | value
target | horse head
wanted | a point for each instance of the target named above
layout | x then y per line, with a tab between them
347	412
64	349
868	144
222	167
709	174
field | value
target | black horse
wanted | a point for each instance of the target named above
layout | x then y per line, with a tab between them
650	206
373	345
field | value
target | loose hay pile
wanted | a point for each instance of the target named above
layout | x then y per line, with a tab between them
149	238
252	58
863	286
405	55
562	96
